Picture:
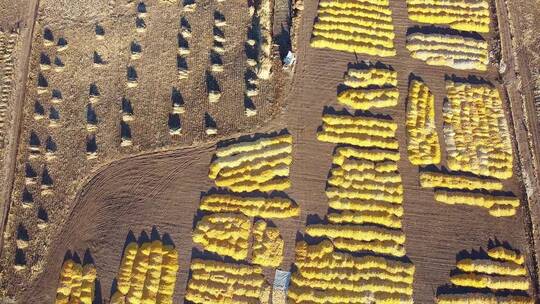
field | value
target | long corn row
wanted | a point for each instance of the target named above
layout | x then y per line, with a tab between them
464	15
7	47
219	282
463	182
498	206
76	283
453	50
250	206
355	26
369	88
485	278
422	140
476	131
358	131
147	274
226	234
267	245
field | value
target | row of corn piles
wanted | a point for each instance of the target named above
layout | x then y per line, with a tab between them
463	15
76	283
147	274
422	139
499	277
369	88
356	26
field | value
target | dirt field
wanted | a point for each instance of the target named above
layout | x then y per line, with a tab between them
96	203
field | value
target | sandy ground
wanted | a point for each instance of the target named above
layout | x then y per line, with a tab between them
163	189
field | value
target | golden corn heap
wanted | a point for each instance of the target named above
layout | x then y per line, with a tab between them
358	131
422	139
361	26
226	234
250	206
267	245
458	182
76	284
226	283
369	88
476	131
464	15
454	50
497	205
502	270
147	274
260	165
327	276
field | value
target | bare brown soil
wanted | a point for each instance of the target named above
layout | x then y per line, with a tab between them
163	189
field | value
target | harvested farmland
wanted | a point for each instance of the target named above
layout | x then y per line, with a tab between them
369	87
476	131
355	26
498	277
422	139
457	50
461	15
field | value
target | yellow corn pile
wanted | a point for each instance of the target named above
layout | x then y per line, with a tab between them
505	254
463	182
147	274
76	283
327	276
250	206
267	245
464	15
452	50
226	234
422	141
358	131
498	206
225	283
369	88
502	270
260	165
363	26
476	131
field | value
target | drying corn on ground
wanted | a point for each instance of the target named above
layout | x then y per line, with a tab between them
464	15
368	88
147	274
76	283
455	50
363	26
365	194
250	167
219	282
476	131
422	141
259	165
499	277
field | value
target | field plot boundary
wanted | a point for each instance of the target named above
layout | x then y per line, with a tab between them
14	130
524	125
